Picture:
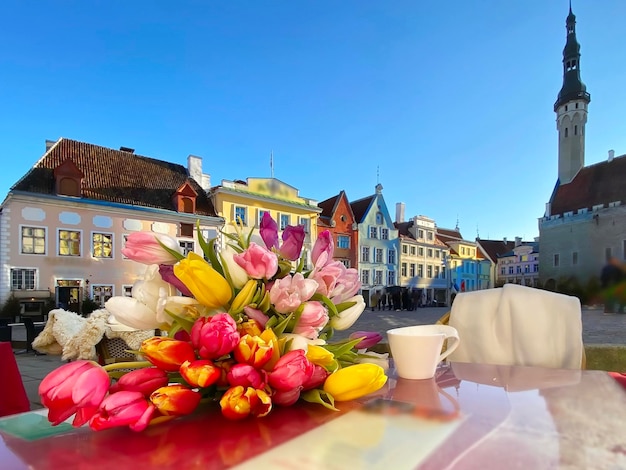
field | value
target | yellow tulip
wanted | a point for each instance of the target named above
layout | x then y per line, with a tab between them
355	381
319	355
205	283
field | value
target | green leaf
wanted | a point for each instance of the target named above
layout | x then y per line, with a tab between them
344	306
174	253
279	329
339	349
213	257
300	266
184	323
332	309
320	397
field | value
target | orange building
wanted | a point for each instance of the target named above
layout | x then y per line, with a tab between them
337	217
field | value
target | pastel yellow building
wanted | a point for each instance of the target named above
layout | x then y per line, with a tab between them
248	200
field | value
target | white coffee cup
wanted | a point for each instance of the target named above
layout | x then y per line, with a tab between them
416	350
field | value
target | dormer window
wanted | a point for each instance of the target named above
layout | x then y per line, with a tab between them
68	179
185	199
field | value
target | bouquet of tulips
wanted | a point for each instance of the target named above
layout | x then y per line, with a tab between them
250	331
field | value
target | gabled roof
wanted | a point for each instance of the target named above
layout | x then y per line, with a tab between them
601	183
403	229
495	248
330	205
114	176
360	206
449	235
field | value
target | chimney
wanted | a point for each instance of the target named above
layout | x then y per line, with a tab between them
518	241
127	150
399	212
194	168
49	144
611	155
504	240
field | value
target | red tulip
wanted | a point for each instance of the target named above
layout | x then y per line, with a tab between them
253	350
123	409
144	381
240	402
246	376
74	388
175	400
292	370
286	398
317	378
200	373
215	336
167	353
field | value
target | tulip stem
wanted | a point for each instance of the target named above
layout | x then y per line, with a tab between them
127	365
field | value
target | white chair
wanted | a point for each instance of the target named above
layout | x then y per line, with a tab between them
518	325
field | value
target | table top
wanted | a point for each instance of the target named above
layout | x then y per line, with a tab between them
470	416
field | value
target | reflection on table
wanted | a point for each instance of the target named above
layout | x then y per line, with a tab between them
470	416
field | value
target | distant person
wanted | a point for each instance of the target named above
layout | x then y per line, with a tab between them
611	276
382	301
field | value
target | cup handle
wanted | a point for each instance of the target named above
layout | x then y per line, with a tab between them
453	343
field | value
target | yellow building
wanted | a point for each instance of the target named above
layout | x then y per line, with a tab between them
249	200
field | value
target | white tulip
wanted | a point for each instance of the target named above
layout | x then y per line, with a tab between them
371	357
237	274
346	319
130	312
149	290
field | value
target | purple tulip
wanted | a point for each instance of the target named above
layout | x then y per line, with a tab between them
293	239
368	338
167	274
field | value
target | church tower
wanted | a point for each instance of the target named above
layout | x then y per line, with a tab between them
571	108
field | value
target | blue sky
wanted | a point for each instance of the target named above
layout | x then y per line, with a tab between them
447	104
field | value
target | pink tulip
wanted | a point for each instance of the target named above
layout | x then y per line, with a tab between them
335	281
123	409
257	315
289	292
258	262
368	338
167	274
269	231
323	244
292	370
246	376
287	397
74	388
215	336
317	378
144	381
144	247
293	239
314	317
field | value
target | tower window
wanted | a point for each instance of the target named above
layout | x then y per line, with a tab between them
575	130
576	105
565	107
566	132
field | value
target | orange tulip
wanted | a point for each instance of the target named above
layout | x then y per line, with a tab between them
200	373
254	350
167	353
239	402
175	400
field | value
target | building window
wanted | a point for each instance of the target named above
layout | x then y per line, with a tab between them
241	215
437	254
420	251
33	241
566	132
503	270
420	270
519	270
186	246
510	269
101	293
69	243
462	250
23	279
384	234
429	252
345	262
412	269
373	232
378	255
608	253
186	230
102	245
127	290
413	251
343	241
555	260
305	222
429	235
379	218
535	268
429	271
365	254
420	233
527	268
405	249
284	221
378	277
391	257
575	130
365	277
403	270
391	278
575	258
437	272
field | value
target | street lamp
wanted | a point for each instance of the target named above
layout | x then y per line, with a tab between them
446	262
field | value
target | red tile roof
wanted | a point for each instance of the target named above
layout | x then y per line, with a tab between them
601	183
495	248
360	206
115	176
